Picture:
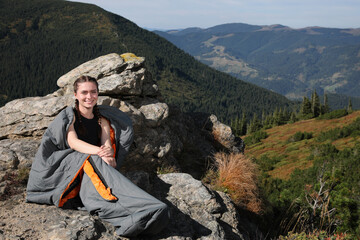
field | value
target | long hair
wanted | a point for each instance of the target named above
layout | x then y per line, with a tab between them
96	111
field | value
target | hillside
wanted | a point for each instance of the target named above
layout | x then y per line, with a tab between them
289	61
292	155
310	175
43	39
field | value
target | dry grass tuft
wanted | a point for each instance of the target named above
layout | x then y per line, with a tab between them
238	174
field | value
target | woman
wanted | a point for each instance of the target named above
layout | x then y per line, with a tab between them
86	134
76	161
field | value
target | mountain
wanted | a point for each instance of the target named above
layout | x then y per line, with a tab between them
41	40
317	158
292	62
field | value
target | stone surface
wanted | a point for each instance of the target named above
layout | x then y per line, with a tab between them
196	213
155	113
30	116
125	83
97	68
164	136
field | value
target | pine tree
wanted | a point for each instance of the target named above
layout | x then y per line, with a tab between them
293	117
254	124
315	104
276	117
349	108
263	117
325	108
286	115
243	124
305	107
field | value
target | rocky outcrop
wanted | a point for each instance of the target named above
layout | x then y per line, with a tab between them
164	136
196	213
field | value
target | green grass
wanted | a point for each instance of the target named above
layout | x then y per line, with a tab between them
298	154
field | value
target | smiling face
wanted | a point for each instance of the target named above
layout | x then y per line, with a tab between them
87	95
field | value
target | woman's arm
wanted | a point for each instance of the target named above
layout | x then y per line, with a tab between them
106	152
106	148
79	145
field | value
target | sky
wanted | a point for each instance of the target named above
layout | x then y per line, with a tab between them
179	14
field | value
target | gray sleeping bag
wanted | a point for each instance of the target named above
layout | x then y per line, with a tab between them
60	175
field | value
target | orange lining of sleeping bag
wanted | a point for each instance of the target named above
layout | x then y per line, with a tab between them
98	184
100	187
76	190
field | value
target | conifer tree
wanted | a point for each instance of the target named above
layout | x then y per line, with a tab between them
305	107
263	117
287	115
276	117
315	104
325	108
254	124
293	117
243	124
349	108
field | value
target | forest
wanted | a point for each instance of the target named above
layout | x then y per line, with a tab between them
308	171
42	40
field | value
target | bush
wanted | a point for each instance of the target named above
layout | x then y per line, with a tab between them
334	114
238	174
316	235
300	136
352	129
266	163
255	137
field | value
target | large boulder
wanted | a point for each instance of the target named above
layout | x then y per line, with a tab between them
196	213
164	136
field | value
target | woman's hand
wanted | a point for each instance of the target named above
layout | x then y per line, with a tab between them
105	151
110	161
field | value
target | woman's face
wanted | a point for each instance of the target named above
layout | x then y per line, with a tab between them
86	94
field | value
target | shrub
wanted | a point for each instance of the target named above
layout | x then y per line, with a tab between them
324	150
334	114
300	136
352	129
316	235
255	137
266	163
238	174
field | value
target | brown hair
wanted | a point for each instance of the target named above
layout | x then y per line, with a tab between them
84	78
96	111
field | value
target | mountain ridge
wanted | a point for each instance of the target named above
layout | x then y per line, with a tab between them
40	42
292	62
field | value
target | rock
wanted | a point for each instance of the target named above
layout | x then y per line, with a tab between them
222	133
155	113
125	83
164	136
17	153
20	220
97	68
8	159
30	116
197	212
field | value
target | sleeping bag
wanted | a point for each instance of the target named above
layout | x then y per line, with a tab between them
67	178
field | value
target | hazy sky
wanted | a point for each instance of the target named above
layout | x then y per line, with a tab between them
174	14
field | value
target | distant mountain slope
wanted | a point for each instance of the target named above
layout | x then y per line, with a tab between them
295	154
296	159
291	62
40	40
